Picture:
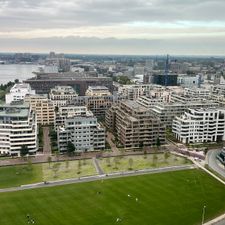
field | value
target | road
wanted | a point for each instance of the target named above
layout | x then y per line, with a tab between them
98	177
214	164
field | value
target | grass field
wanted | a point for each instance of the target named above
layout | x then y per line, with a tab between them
114	164
12	176
173	198
68	169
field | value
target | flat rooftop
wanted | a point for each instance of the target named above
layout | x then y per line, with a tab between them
98	88
134	105
15	105
21	86
15	113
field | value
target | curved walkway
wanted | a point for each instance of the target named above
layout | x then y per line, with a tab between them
217	221
214	164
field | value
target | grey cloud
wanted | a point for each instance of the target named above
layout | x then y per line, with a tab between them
29	14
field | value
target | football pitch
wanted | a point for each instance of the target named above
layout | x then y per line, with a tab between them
172	198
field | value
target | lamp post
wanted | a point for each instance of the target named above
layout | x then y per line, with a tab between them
203	214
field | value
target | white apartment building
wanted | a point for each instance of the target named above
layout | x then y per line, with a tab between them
148	102
175	98
83	131
43	107
218	89
200	125
62	95
188	81
198	92
166	112
69	111
18	92
18	127
133	92
97	91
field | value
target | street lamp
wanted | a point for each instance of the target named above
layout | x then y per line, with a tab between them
203	214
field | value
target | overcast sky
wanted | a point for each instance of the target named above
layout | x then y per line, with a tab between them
113	26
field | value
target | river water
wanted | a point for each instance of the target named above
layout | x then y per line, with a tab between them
16	71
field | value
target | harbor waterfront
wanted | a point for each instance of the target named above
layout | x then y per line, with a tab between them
10	72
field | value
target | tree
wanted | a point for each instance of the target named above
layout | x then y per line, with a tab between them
131	162
70	148
108	162
55	168
141	145
145	154
24	150
158	143
206	151
49	161
186	160
56	109
166	155
67	165
154	160
122	79
29	165
40	136
115	162
53	135
57	155
79	167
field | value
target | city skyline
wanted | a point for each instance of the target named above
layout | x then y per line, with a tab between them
118	27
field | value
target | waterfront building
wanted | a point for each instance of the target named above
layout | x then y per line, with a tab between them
18	93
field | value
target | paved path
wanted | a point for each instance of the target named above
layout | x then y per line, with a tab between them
109	139
98	177
214	164
47	142
97	166
217	221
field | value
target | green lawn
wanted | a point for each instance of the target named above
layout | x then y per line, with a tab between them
70	169
12	176
115	164
173	198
